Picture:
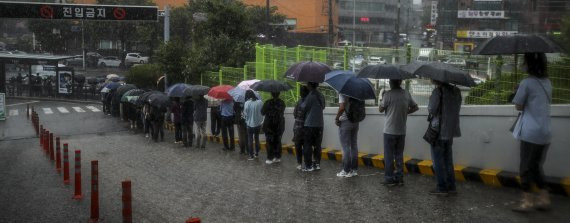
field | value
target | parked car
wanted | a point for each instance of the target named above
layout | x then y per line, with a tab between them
373	60
456	61
77	60
109	62
135	58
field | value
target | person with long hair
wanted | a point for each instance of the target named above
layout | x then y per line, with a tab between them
533	130
253	119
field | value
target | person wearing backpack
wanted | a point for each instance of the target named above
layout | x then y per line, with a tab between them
351	111
273	126
397	103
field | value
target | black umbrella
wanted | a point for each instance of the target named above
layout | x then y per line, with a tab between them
159	100
440	72
308	71
271	86
132	93
517	44
196	90
143	98
124	88
384	72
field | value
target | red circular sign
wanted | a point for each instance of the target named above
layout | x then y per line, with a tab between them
119	13
46	12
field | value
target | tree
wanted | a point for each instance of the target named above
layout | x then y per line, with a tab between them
225	38
171	57
144	76
273	31
565	33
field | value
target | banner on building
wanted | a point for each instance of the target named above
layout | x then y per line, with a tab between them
2	106
480	14
483	34
433	19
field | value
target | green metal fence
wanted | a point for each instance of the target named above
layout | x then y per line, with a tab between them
495	74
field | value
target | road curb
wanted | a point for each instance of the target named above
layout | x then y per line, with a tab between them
54	99
489	177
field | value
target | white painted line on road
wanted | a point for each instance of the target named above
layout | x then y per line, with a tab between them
93	108
78	109
62	109
23	103
14	112
47	111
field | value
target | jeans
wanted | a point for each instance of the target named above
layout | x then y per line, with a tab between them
157	128
215	121
532	158
394	154
178	131
273	146
312	148
228	130
299	149
187	133
200	134
242	135
253	134
442	156
348	134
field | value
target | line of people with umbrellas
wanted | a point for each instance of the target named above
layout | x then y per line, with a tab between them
243	106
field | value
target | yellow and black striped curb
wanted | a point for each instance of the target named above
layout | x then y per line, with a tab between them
491	177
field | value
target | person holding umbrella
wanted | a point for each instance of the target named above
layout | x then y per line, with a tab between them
200	118
253	119
241	127
397	103
533	129
187	119
313	107
273	126
176	119
227	114
298	135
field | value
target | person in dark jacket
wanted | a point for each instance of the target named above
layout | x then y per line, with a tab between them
241	127
313	107
187	118
175	110
299	116
157	120
215	119
200	118
273	126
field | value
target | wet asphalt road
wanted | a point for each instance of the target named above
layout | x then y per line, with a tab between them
172	183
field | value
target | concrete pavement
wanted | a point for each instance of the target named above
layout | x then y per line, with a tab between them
172	183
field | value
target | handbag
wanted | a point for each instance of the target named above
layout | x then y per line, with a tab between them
432	134
515	123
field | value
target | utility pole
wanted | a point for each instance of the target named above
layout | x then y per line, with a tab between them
397	27
166	36
331	25
267	17
353	32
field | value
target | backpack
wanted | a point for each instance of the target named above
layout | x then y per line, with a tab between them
356	111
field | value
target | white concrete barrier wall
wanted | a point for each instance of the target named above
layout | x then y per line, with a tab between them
485	143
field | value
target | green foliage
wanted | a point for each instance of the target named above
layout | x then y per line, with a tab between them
564	37
53	35
171	57
144	76
225	38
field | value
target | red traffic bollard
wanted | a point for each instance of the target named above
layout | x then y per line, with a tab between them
77	195
46	142
127	202
94	191
51	150
65	164
57	155
41	136
193	220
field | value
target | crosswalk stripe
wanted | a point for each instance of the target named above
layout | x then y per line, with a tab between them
14	112
78	109
62	109
93	108
47	111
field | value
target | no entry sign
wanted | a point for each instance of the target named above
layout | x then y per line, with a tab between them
77	11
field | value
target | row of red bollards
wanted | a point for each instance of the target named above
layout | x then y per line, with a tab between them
46	139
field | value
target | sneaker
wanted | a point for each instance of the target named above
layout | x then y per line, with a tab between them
438	193
250	158
299	167
268	162
317	166
389	183
146	136
256	156
353	173
310	169
276	160
342	173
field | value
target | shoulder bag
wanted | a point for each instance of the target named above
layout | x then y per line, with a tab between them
432	134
